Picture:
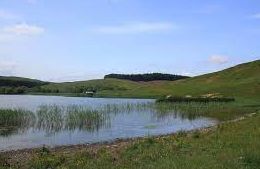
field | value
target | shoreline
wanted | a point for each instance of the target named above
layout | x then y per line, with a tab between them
74	95
107	143
23	155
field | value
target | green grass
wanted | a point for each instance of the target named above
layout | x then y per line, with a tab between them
228	146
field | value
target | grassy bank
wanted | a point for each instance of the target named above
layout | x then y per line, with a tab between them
229	145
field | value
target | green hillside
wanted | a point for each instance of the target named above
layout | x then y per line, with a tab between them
242	80
109	85
17	85
239	81
12	81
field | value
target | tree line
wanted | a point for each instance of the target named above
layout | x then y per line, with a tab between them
13	90
146	77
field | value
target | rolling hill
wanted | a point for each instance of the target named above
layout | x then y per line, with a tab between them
239	81
12	81
18	85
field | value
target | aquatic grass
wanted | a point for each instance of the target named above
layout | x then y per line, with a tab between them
14	117
150	126
124	107
191	110
82	118
13	121
54	118
50	118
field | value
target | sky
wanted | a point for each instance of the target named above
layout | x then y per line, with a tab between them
65	40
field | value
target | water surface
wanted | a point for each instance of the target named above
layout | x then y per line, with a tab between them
55	121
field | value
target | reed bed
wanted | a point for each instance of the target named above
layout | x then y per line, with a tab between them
13	121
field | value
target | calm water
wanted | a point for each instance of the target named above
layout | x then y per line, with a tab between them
55	121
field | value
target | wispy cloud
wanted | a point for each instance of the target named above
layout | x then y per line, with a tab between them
19	31
208	9
23	29
31	1
115	1
255	16
7	15
218	59
135	28
7	67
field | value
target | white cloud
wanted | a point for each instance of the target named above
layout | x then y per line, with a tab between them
218	59
4	14
256	16
23	29
185	73
134	28
18	32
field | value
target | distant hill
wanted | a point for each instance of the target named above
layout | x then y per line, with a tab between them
240	81
18	81
18	85
146	77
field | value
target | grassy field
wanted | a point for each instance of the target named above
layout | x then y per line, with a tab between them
229	145
239	81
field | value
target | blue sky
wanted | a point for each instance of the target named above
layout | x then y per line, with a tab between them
65	40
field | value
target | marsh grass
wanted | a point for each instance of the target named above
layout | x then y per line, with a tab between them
220	111
83	118
186	110
52	119
13	121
